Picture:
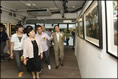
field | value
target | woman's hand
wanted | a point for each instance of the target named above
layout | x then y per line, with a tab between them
41	55
25	61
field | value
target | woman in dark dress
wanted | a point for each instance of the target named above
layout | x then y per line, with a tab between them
32	52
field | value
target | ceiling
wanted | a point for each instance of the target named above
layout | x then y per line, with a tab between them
43	7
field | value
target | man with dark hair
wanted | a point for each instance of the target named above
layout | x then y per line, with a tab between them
3	39
18	26
58	46
17	47
43	39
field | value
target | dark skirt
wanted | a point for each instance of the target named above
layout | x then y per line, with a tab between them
34	64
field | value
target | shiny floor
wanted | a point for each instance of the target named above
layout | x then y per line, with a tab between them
69	70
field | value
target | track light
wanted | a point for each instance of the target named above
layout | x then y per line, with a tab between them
10	14
14	15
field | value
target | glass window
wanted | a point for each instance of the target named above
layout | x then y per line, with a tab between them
71	25
48	26
63	26
54	24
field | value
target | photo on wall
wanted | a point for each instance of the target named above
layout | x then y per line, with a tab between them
112	27
81	27
6	28
115	18
12	29
77	29
93	24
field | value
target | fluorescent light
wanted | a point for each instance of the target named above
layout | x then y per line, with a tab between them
28	4
67	21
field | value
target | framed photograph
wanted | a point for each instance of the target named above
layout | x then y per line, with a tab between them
112	27
6	28
12	29
81	27
77	29
93	24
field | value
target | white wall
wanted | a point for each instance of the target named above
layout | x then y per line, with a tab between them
94	62
7	19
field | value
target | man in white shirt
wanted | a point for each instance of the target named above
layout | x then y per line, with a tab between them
43	39
17	47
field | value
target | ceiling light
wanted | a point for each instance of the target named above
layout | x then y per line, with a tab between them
67	21
33	4
28	4
73	6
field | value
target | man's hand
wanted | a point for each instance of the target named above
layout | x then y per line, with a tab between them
41	55
53	34
11	56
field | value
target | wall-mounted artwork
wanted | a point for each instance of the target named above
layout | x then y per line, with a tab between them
81	27
93	24
6	28
77	29
112	27
12	29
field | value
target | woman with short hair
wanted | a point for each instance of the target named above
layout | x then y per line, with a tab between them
32	52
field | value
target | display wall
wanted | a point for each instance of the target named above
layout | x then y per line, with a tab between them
95	62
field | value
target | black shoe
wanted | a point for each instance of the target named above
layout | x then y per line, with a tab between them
46	61
62	64
56	67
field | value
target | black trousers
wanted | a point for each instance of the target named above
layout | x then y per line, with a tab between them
67	42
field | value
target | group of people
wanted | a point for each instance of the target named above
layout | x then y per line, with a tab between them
33	49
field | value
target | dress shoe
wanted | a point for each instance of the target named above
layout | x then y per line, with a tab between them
56	67
62	64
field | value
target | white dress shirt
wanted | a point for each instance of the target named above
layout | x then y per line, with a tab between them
43	39
58	35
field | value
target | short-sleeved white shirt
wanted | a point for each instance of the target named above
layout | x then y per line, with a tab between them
18	45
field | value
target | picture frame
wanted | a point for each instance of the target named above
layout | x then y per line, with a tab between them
77	29
81	27
6	28
12	29
93	24
111	8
